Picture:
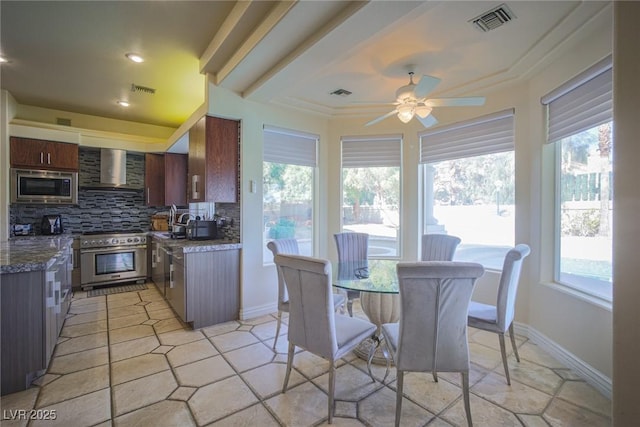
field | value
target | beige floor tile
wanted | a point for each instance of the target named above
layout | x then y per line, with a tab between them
163	349
233	340
79	361
379	409
162	314
133	348
203	372
183	393
85	342
532	420
345	409
220	399
531	374
483	414
267	380
135	394
77	319
378	371
484	356
567	374
490	339
125	302
85	410
533	353
126	321
80	298
88	308
165	413
191	352
310	365
305	405
180	337
74	385
168	325
221	328
582	394
128	296
266	330
125	311
151	294
157	305
565	414
434	396
352	384
517	397
22	400
255	415
257	320
249	357
130	333
137	367
283	343
44	379
476	373
89	328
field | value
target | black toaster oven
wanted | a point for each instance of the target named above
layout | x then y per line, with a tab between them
202	230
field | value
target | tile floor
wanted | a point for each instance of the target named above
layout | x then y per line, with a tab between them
126	360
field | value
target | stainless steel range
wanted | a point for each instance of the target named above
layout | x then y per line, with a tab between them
110	257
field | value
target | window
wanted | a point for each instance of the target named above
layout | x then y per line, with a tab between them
371	191
288	175
580	126
469	186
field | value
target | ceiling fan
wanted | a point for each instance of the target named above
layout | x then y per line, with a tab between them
411	100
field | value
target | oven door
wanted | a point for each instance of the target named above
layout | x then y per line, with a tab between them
113	265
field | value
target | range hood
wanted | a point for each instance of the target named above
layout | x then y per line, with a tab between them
113	172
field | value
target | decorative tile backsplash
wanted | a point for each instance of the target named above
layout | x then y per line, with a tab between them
105	211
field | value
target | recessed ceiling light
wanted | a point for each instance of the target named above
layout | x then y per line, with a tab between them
3	60
135	57
123	103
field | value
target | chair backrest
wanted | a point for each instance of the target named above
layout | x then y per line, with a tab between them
352	246
434	300
438	247
508	287
311	308
283	246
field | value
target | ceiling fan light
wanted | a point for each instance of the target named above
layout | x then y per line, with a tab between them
405	113
423	111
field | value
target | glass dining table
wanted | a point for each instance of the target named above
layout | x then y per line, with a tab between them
377	282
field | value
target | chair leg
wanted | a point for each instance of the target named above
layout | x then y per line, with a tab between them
350	306
292	349
503	350
277	329
332	386
435	376
513	342
465	396
399	383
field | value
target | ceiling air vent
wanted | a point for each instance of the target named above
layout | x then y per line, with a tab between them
341	92
142	89
63	122
493	18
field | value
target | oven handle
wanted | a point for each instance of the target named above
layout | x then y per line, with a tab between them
111	249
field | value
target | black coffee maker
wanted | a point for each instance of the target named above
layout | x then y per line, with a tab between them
51	224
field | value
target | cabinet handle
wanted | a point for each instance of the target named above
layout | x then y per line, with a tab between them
171	276
194	186
153	258
48	158
147	195
41	157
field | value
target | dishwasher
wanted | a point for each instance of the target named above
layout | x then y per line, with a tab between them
175	291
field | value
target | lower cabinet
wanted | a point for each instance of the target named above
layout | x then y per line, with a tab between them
204	288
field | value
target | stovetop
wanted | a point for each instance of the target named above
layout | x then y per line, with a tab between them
100	232
111	238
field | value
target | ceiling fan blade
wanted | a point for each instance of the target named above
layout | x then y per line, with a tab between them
381	118
470	101
428	121
425	86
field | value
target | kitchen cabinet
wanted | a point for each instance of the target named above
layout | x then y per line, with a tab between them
213	160
41	154
34	305
165	178
176	290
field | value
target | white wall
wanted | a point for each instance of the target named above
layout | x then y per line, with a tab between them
7	112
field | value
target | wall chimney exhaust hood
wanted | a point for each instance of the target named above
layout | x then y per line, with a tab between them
113	172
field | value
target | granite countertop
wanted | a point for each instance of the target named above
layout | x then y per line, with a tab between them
189	246
32	253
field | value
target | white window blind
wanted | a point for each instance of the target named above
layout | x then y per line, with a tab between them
289	147
371	151
484	135
582	103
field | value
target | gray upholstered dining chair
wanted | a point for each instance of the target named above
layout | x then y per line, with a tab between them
438	247
313	323
352	247
499	318
431	335
289	246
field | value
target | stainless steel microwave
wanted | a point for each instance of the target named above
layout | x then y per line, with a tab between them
43	186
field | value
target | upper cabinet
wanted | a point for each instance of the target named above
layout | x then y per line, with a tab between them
41	154
213	160
165	179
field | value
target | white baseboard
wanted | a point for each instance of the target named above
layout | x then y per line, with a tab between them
257	311
591	375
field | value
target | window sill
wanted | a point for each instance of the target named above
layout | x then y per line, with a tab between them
579	294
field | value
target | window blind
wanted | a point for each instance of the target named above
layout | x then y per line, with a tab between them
582	103
371	151
289	146
484	135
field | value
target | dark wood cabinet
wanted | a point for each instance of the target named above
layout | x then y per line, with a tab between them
42	154
213	160
165	178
